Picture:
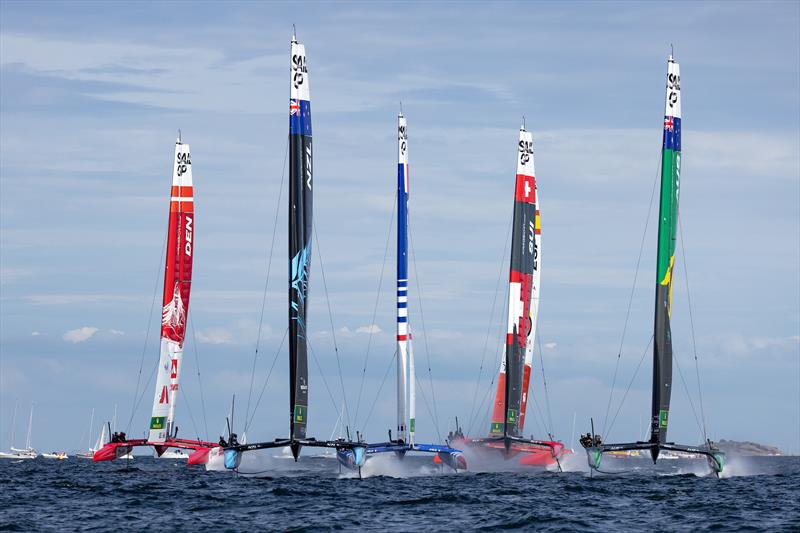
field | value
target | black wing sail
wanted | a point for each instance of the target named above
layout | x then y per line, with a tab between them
300	228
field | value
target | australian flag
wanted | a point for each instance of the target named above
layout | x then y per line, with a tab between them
672	133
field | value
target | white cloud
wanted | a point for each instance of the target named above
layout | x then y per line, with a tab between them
79	335
372	328
550	345
116	332
215	336
35	333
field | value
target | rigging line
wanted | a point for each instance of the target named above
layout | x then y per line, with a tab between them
691	323
189	410
541	416
428	408
633	377
688	396
266	281
146	386
375	309
380	388
498	356
333	329
249	421
161	261
322	375
491	317
544	381
199	380
630	297
424	336
486	395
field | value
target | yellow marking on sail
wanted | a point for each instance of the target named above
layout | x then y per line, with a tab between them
536	222
668	276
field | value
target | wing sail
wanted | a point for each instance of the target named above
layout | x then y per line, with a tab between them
667	222
300	230
175	303
514	377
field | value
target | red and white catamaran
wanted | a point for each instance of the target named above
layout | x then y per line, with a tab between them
163	433
511	399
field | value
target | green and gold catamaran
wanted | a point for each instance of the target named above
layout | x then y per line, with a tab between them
662	335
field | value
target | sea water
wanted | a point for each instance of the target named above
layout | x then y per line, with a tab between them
760	493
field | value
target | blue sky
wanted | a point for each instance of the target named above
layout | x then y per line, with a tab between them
91	97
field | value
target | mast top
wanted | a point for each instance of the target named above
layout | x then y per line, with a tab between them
294	34
401	109
522	128
179	137
671	53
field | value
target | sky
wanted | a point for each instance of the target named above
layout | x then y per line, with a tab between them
92	96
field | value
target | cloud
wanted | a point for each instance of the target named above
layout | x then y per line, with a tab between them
79	335
35	333
550	345
116	332
215	336
372	328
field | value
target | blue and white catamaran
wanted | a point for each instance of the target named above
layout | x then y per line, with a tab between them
300	231
404	439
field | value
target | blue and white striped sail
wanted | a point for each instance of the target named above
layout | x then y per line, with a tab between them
405	412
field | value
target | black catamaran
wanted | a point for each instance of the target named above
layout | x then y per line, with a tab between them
300	232
662	334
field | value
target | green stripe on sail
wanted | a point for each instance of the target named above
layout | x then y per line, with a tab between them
670	184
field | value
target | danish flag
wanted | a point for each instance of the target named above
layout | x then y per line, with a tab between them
294	107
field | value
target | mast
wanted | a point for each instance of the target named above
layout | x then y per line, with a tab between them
523	292
89	433
667	220
402	279
300	227
30	427
175	302
14	423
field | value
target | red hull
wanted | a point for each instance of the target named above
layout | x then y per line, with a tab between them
112	450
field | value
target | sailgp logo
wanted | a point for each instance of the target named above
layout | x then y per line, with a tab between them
300	70
673	88
184	160
525	152
402	138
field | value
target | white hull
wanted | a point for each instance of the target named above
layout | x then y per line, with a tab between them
19	455
59	456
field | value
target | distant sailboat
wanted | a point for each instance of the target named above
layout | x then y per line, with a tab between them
102	440
175	307
511	398
21	453
300	231
404	440
662	335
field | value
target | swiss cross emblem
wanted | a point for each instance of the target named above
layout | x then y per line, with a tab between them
527	188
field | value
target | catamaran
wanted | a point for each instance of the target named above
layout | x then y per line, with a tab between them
662	334
300	232
406	377
181	237
511	398
21	453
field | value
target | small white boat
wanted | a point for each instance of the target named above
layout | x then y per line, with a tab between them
16	453
55	455
174	453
